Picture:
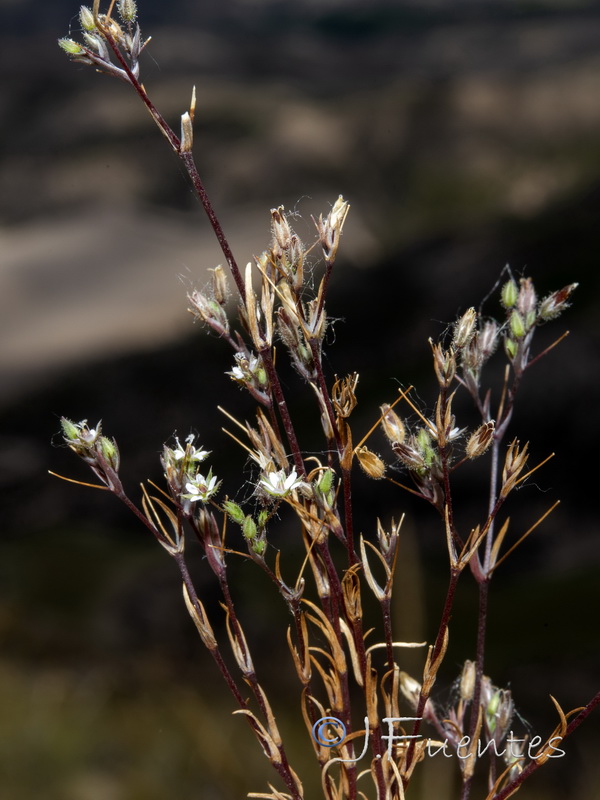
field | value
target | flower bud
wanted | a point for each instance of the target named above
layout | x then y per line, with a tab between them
410	688
326	481
324	488
467	681
511	347
392	425
69	429
509	294
86	19
553	305
517	325
425	448
110	451
280	229
79	435
259	546
330	228
488	339
249	528
220	285
464	329
70	46
527	299
234	511
263	518
209	311
505	712
499	711
127	10
491	710
95	42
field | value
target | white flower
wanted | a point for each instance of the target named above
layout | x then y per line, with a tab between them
451	435
201	488
189	451
247	368
277	484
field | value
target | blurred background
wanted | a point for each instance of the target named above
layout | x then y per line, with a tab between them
466	136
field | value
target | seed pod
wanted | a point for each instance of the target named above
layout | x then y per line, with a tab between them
553	305
410	688
480	440
467	681
392	425
127	10
464	329
220	285
371	463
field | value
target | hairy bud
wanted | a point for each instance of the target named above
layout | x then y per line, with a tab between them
553	305
127	10
371	463
86	19
392	425
464	329
70	46
509	294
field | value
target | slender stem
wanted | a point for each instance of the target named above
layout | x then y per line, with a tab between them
386	608
188	161
535	764
283	767
479	660
323	293
165	128
283	409
492	503
437	648
192	170
191	590
315	347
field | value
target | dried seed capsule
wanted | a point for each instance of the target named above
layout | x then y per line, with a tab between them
464	329
467	681
392	425
553	305
480	440
220	285
371	463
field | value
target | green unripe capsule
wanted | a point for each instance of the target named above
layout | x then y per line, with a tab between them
509	294
249	528
234	511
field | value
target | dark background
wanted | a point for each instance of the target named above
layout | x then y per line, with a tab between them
466	135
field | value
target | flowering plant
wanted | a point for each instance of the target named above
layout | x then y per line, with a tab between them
356	700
